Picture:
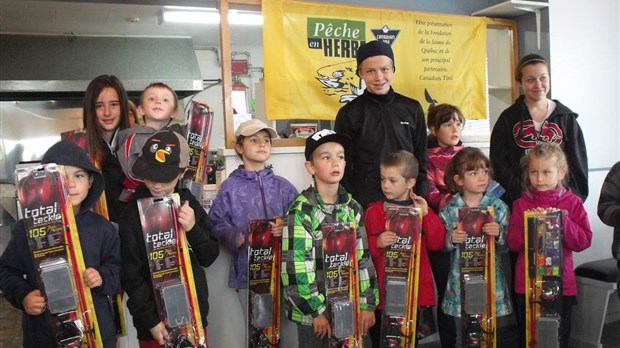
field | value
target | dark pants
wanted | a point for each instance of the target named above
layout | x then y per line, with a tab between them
440	265
375	330
565	322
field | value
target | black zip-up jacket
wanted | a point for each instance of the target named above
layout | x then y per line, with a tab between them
609	207
514	135
136	280
379	125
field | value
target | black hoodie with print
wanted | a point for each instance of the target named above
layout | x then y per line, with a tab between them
514	135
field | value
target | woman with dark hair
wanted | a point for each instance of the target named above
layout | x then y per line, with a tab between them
105	113
533	119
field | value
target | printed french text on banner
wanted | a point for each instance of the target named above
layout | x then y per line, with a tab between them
310	50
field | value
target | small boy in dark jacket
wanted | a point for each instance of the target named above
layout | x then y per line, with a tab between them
161	171
100	249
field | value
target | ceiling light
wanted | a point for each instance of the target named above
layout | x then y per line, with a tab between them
189	16
208	16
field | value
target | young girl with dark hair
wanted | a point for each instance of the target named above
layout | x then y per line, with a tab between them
105	113
445	123
467	176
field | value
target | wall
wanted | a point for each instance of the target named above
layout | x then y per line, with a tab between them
585	75
528	42
226	322
571	42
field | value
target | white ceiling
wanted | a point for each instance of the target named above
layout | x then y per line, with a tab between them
106	19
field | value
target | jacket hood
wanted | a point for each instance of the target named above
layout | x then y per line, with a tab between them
551	196
521	108
69	154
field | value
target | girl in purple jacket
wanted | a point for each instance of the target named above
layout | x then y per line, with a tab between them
252	191
545	168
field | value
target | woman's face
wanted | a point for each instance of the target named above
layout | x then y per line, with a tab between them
535	81
108	111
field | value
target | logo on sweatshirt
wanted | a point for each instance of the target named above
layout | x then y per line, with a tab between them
526	137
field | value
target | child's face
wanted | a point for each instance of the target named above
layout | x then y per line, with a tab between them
108	110
449	133
544	173
394	185
327	164
78	183
473	181
255	150
535	81
160	189
158	105
377	73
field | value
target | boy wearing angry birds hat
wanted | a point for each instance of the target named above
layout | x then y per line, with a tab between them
162	162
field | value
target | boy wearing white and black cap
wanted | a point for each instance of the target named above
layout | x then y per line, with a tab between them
303	274
379	122
162	162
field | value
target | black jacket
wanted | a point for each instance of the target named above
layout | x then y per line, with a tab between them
514	134
378	126
101	250
136	280
609	207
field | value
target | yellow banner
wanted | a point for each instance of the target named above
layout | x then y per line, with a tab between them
310	50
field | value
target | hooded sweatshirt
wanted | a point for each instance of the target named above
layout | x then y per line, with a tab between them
438	158
100	248
451	304
378	126
576	236
204	250
514	135
130	143
609	207
244	196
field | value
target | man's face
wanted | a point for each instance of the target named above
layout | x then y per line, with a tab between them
377	73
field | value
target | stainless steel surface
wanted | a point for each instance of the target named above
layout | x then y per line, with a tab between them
28	129
61	67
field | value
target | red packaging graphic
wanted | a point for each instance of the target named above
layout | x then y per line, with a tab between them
57	255
171	271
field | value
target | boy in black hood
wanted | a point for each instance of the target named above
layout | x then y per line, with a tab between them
100	249
162	162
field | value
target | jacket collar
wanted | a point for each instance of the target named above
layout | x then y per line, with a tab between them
381	98
535	195
267	172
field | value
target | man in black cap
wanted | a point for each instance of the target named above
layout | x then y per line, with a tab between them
380	121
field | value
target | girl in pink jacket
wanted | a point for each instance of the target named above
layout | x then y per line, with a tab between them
545	168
